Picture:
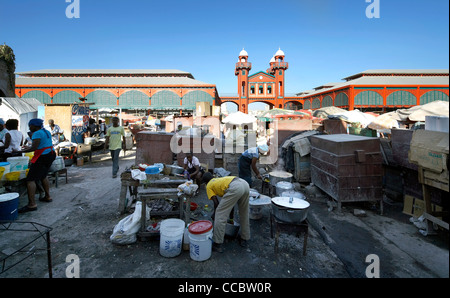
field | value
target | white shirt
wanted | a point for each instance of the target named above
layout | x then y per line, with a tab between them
195	162
16	141
55	133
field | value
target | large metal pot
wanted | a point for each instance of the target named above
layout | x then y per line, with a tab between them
175	170
290	209
283	186
277	176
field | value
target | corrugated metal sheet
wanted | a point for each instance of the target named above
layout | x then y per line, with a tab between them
134	99
190	99
67	96
401	98
165	100
108	81
102	99
327	101
42	97
433	96
367	98
341	100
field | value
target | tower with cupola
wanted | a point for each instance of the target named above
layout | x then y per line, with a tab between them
277	68
242	70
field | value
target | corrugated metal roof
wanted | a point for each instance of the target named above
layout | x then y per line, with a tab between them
399	71
387	81
106	71
22	106
110	81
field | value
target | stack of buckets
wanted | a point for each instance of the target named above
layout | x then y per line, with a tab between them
200	238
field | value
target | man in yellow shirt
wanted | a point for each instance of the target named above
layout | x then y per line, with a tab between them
232	190
115	140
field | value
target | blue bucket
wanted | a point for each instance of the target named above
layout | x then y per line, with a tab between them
9	204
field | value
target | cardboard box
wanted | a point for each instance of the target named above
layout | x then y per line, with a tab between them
429	149
416	207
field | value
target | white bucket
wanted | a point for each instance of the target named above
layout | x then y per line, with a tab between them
57	165
18	163
200	244
171	239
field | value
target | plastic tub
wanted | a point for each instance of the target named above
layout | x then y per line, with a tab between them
5	167
18	163
152	170
9	204
200	240
12	176
171	237
30	155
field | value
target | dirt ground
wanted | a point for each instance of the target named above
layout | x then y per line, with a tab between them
84	212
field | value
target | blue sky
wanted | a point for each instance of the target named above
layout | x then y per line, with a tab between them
323	40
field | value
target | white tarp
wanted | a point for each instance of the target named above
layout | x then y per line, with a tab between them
239	118
22	109
355	116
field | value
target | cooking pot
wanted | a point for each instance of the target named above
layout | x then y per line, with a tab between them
277	176
283	186
175	170
90	141
290	209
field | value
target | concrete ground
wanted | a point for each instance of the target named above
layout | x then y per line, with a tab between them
84	212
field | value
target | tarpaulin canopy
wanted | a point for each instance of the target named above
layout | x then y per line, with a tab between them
239	118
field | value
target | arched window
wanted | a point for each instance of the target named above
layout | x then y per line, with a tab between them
327	101
41	96
368	98
433	96
401	98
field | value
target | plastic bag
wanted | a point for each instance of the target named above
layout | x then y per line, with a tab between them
125	231
188	188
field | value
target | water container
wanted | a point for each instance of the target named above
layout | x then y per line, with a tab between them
4	167
9	204
200	240
18	163
171	232
152	170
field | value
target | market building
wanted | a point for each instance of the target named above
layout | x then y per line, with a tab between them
166	90
379	89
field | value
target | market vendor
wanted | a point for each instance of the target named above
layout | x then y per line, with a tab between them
44	155
232	190
247	163
12	140
193	168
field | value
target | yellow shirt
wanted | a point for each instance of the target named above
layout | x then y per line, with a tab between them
218	186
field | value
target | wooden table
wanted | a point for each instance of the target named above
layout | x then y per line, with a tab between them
129	184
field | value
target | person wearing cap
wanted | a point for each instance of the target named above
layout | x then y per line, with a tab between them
44	155
247	162
232	190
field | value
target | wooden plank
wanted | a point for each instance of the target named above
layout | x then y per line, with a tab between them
436	220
